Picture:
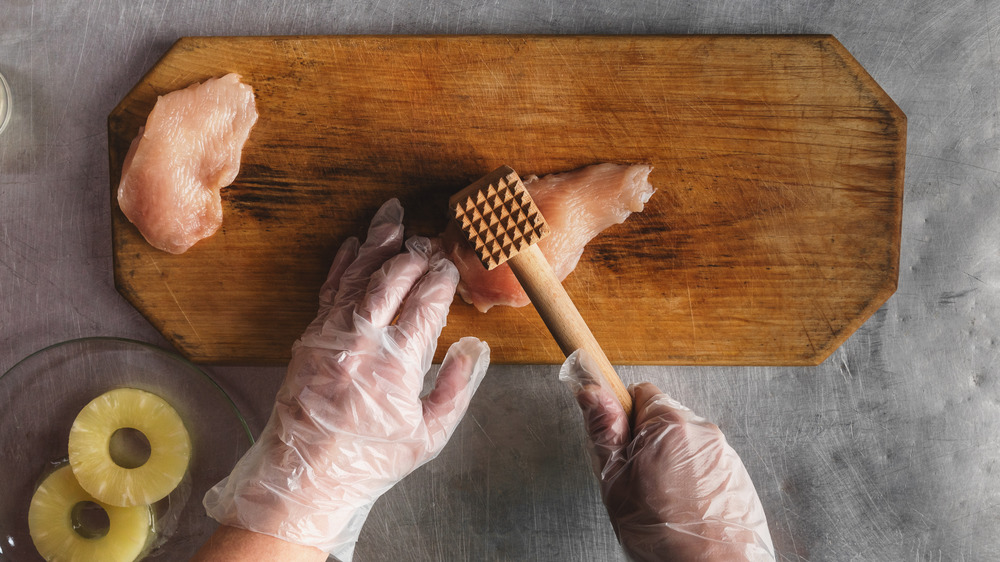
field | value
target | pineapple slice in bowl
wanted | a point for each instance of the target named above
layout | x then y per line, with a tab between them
60	532
115	479
44	392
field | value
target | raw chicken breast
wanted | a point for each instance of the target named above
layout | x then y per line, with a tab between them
188	150
577	206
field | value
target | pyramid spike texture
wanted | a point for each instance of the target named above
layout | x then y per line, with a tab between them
498	216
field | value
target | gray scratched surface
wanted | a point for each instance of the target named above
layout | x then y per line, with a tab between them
887	451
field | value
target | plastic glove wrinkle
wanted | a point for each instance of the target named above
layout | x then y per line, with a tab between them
349	421
392	282
673	487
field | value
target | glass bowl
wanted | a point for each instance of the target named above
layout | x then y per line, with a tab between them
40	397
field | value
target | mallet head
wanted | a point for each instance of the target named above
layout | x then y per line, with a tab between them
498	216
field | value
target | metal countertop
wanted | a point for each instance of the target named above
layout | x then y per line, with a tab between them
886	451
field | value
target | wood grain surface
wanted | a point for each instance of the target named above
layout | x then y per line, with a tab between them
774	233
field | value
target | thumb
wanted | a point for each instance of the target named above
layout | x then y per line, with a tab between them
604	419
462	370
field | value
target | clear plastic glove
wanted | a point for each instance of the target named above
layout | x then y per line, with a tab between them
673	487
349	420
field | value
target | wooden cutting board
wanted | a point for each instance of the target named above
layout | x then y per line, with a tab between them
773	236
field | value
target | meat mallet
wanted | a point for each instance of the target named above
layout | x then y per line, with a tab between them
502	223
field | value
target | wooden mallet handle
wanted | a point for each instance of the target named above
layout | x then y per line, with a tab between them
502	224
561	316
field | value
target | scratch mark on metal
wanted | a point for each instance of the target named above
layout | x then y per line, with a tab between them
953	161
480	426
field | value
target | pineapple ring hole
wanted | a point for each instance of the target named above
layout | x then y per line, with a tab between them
90	520
129	447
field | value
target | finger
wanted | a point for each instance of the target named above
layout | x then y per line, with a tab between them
651	403
346	255
660	427
393	281
385	237
462	370
607	427
425	312
604	418
645	392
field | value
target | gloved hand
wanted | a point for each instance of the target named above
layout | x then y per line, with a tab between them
673	487
348	421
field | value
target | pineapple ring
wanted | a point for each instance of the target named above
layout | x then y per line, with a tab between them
51	525
90	442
